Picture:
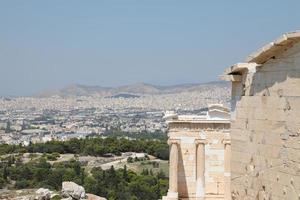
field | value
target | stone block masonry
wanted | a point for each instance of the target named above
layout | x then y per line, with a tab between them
265	124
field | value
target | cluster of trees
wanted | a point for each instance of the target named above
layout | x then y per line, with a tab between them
117	132
113	184
124	184
39	173
94	147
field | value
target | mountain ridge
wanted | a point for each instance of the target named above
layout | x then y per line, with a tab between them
136	89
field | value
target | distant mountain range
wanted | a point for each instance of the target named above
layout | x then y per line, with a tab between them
130	91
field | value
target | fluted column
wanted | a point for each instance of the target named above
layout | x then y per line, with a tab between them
173	172
200	168
227	174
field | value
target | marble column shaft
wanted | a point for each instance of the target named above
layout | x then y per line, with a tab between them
173	176
227	175
200	168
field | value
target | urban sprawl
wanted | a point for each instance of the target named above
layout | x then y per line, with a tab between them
25	120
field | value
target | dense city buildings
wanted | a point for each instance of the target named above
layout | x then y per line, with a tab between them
265	128
25	120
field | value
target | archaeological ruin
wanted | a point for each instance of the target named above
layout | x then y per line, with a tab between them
199	155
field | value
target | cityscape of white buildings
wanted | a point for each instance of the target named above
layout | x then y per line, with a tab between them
29	119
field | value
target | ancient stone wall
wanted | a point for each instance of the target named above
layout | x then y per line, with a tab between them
265	131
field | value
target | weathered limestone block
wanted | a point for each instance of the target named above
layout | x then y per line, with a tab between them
71	189
265	162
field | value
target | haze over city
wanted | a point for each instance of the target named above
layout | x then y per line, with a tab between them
149	100
52	44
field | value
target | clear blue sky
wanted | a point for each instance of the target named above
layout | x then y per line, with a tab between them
53	43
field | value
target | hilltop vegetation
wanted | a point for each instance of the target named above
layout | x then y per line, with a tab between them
143	135
114	184
93	147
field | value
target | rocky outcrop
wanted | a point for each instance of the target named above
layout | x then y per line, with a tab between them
73	191
43	194
70	191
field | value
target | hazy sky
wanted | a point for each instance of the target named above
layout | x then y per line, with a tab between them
53	43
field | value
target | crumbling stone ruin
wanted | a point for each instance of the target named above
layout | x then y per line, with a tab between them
265	124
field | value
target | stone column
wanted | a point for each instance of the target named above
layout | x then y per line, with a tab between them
173	171
200	168
227	174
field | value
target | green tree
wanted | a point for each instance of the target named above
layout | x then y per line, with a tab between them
5	173
141	190
125	173
90	185
21	184
2	183
130	160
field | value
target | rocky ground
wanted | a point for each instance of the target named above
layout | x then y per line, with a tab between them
70	191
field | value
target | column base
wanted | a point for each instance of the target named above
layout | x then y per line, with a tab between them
200	193
171	196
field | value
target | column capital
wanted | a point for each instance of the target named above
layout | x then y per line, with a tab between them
200	141
226	141
173	141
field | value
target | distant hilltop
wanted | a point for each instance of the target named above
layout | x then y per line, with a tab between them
132	91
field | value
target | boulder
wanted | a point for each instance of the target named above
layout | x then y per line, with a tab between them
94	197
43	194
71	189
